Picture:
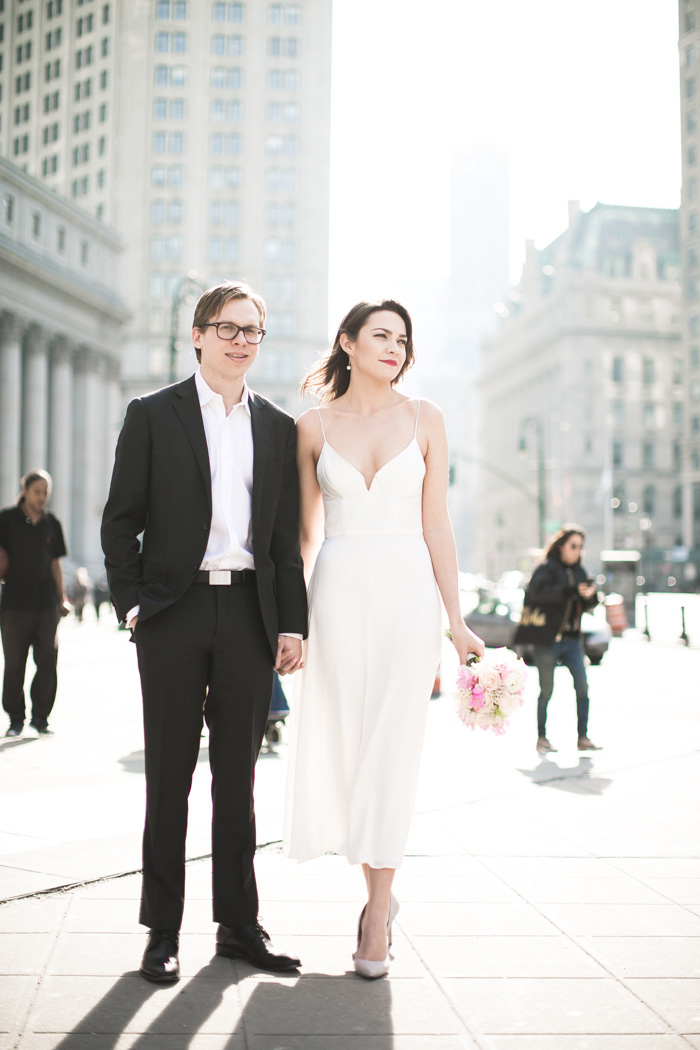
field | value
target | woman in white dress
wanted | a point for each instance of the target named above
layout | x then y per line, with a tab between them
379	551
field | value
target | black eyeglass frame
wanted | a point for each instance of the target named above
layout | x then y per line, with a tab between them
239	328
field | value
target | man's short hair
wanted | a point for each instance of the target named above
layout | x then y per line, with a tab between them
212	302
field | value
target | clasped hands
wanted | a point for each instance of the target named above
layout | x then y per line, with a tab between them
289	655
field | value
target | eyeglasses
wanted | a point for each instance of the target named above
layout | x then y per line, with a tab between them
226	330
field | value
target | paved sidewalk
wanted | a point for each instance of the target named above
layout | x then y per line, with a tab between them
546	904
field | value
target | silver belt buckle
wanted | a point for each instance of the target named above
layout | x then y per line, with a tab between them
219	577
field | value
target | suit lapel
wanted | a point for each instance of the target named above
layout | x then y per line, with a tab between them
190	415
260	421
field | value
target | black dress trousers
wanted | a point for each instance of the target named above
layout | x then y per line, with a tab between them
206	656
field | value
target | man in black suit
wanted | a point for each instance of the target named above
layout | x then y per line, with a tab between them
215	597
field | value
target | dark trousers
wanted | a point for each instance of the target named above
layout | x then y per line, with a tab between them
21	630
569	652
207	656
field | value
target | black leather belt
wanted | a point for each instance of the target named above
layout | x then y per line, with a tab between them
225	577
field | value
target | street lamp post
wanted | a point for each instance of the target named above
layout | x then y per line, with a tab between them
534	423
187	288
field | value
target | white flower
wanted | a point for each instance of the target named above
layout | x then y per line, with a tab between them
488	676
514	680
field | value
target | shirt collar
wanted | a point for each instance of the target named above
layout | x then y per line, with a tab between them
206	394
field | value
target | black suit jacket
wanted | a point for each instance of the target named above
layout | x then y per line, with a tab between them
161	487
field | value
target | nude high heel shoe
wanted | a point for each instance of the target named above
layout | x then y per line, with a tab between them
373	968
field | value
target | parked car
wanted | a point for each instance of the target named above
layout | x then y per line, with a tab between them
497	615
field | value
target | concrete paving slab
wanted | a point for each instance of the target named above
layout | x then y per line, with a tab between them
34	915
133	1041
587	1042
554	1006
511	868
680	891
17	993
124	1005
447	920
676	1000
572	889
85	953
323	1006
646	868
363	1042
24	953
623	920
628	957
475	888
506	957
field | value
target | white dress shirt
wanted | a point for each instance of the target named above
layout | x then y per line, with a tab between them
230	445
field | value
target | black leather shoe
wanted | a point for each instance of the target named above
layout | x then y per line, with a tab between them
160	962
253	944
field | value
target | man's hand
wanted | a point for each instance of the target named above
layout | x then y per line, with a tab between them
64	609
132	622
586	590
289	657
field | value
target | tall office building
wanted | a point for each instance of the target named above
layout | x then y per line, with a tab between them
689	47
199	131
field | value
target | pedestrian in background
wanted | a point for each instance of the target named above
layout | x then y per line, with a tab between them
559	592
100	594
81	592
33	600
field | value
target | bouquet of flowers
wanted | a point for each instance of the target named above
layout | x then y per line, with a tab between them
489	690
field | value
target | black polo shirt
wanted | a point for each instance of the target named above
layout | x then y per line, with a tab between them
31	549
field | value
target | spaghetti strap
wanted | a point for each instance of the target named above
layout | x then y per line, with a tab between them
323	431
415	432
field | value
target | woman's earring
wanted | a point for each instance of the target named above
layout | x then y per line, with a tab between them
348	366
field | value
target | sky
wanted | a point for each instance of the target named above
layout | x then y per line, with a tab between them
582	95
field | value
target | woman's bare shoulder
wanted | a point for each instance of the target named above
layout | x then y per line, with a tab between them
430	413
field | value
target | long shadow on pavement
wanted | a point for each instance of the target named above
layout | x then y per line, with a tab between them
314	1005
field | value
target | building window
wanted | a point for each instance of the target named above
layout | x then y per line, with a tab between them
618	369
649	414
690	87
648	370
649	500
677	501
225	111
163	10
226	45
84	253
692	154
677	414
227	12
676	453
227	78
618	453
648	455
220	144
221	178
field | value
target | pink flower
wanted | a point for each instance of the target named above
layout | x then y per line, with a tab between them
477	698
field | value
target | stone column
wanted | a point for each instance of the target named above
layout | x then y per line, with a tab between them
11	331
35	399
60	434
88	457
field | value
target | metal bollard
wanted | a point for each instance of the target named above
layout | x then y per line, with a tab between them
684	637
645	632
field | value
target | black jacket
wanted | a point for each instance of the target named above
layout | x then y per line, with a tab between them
161	487
549	598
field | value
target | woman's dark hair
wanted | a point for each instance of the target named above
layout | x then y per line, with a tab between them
557	542
330	378
30	477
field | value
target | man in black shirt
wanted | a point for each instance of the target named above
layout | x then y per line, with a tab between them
33	600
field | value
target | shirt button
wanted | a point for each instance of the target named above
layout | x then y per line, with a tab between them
205	526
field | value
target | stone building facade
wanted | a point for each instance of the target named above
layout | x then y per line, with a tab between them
583	394
60	347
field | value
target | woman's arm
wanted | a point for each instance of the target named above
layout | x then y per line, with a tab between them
309	444
437	528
